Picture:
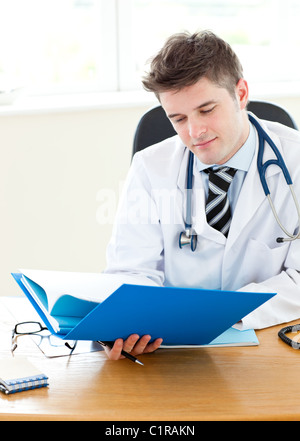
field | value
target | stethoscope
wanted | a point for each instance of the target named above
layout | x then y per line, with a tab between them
188	237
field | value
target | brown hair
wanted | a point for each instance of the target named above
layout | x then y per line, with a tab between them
185	58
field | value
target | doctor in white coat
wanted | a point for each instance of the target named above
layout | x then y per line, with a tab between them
198	80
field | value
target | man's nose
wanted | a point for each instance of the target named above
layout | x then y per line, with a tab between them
197	128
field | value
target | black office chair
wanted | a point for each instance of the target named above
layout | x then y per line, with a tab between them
154	126
272	112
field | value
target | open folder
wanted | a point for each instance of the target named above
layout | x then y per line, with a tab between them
88	306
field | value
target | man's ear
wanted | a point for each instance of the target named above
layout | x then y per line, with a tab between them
242	93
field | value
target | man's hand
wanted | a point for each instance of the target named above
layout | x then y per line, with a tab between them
133	345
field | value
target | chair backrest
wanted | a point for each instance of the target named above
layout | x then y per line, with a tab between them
272	112
154	126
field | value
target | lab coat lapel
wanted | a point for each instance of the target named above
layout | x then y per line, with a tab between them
200	224
182	175
252	194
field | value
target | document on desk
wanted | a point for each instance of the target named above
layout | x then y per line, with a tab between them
88	306
231	337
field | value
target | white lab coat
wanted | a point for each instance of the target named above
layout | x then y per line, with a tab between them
151	216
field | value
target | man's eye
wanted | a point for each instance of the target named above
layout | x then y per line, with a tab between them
207	111
180	119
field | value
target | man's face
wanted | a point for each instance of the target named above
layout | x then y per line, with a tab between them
209	120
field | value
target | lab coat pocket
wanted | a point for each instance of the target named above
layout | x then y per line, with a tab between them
262	261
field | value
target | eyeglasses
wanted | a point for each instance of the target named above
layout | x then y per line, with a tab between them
25	328
34	329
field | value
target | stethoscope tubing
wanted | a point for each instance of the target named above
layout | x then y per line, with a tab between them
262	138
188	221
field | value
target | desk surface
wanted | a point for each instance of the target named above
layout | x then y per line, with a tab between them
245	383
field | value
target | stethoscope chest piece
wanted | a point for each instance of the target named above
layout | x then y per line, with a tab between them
187	239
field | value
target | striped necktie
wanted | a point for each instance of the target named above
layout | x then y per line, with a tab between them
217	209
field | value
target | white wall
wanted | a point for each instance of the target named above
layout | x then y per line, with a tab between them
52	167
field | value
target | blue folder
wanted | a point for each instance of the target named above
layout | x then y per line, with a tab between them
181	316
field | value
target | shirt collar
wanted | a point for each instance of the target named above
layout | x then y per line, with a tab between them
243	157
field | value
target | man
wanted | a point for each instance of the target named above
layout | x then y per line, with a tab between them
199	82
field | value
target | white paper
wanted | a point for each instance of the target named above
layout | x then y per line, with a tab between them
94	287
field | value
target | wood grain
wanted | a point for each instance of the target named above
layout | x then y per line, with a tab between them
246	383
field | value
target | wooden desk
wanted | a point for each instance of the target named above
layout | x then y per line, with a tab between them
248	383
